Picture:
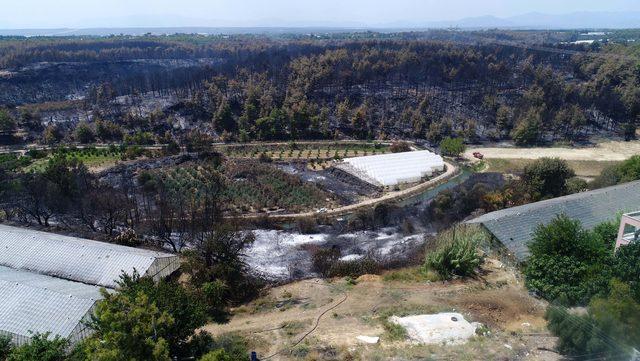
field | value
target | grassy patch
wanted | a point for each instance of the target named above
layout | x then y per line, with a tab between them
409	275
393	331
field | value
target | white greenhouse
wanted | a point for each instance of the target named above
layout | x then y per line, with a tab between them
396	168
50	283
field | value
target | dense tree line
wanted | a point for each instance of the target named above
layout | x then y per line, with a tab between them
264	88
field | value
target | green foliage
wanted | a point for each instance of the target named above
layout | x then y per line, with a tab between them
185	307
5	347
610	329
548	177
393	331
567	262
84	133
140	138
7	122
217	355
627	267
41	348
216	264
456	252
128	326
452	147
528	130
627	171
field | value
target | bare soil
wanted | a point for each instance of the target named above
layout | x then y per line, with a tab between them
277	323
602	152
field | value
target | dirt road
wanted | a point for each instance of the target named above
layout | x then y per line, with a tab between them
603	151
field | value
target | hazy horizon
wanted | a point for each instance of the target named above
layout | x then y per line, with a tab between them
38	14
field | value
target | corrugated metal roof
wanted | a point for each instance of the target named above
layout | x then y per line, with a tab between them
72	258
514	227
32	303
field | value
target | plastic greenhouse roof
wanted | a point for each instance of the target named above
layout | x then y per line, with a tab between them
394	168
34	303
514	227
72	258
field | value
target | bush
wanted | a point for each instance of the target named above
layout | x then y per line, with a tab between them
127	237
627	171
355	268
567	262
323	259
456	252
610	329
83	133
41	348
547	177
307	225
399	147
5	346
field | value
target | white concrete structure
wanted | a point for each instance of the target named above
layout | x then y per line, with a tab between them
629	230
448	327
396	168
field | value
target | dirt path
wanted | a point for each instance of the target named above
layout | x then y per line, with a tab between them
604	151
451	172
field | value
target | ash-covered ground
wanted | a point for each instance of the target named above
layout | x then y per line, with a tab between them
283	255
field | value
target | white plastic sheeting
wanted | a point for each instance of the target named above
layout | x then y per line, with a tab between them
33	303
395	168
50	283
78	259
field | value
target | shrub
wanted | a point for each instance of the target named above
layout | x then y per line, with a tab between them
399	147
394	332
456	252
307	226
627	171
323	258
355	268
547	177
567	262
5	346
41	348
127	237
84	133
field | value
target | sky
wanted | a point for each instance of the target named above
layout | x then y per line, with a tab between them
120	13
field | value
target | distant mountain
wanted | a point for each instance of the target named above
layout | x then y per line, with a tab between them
578	20
163	24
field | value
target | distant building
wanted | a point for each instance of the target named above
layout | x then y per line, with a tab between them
514	227
50	283
629	230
